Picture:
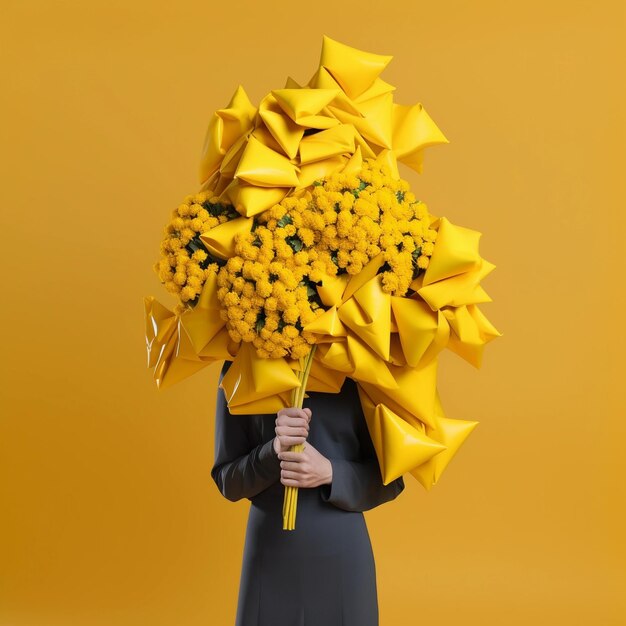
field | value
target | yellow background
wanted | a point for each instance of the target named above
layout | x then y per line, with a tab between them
108	511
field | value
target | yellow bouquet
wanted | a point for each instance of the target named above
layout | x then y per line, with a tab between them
305	258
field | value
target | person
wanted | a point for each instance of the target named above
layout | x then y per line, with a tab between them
322	573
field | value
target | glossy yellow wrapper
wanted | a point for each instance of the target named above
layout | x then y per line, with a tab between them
253	156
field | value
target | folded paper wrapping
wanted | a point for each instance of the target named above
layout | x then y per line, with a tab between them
387	344
253	157
180	345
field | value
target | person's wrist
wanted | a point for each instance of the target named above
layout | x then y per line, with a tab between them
329	473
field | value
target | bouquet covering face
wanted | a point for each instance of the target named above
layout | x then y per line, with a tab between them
304	257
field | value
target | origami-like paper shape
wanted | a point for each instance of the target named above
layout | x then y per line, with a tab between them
179	345
253	157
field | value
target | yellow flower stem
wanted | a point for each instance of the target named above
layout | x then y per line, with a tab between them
290	500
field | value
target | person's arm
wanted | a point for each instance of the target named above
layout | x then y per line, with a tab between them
358	485
241	469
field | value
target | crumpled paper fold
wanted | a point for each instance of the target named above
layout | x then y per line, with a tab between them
253	157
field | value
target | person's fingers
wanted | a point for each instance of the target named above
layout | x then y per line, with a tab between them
286	440
293	411
287	414
308	411
290	482
286	431
294	457
291	475
292	421
292	466
287	420
292	431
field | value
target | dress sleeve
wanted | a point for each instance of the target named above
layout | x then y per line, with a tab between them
358	485
241	469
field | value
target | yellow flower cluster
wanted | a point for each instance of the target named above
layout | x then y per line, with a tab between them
266	291
185	263
348	219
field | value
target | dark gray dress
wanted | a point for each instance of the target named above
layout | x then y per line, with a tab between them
323	572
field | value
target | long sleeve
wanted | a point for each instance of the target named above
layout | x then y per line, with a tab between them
358	485
241	468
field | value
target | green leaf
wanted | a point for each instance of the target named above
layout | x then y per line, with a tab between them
295	242
260	323
311	291
196	244
361	187
284	220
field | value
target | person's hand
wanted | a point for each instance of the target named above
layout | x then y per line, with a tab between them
309	468
292	427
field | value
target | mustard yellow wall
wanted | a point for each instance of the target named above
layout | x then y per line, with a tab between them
108	514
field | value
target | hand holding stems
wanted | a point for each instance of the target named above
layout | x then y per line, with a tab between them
292	428
309	468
